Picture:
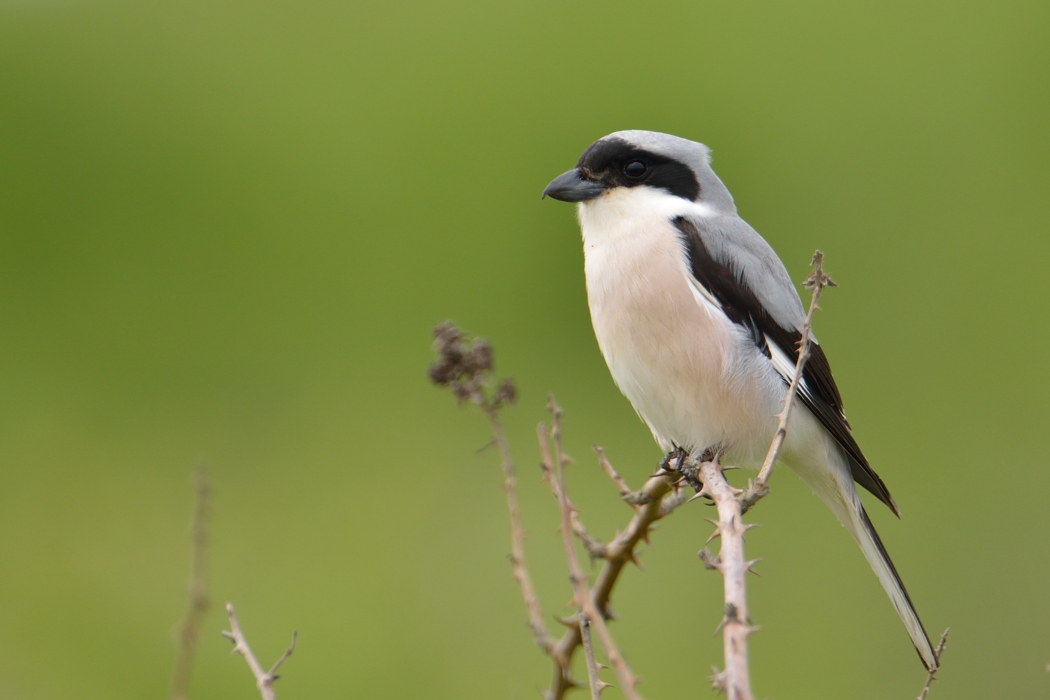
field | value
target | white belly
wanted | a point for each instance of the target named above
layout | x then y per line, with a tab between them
694	377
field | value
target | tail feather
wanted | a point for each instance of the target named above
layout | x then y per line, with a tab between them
831	479
859	525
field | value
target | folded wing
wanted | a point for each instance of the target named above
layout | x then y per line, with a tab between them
736	267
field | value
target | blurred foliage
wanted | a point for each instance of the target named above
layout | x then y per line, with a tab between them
226	230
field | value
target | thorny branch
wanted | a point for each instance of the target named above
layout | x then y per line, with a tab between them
595	683
655	500
736	628
264	680
595	547
816	282
190	630
612	473
466	368
590	611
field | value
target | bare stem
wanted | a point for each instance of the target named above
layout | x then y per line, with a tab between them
735	680
628	681
264	680
619	552
594	682
816	282
612	473
465	366
190	629
931	675
517	535
595	547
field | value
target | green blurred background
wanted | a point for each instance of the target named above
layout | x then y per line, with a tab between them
226	230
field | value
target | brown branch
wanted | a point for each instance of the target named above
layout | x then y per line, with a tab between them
816	282
584	600
517	534
466	368
931	675
190	629
619	552
613	474
264	680
595	547
595	683
735	680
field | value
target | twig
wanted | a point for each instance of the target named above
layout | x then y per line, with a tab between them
594	682
613	474
736	627
816	282
595	547
190	630
517	535
619	552
627	679
467	368
264	680
931	675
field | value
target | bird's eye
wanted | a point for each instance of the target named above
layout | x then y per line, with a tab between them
635	168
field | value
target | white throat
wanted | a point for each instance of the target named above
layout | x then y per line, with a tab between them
620	211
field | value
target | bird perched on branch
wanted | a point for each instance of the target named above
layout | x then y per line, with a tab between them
700	326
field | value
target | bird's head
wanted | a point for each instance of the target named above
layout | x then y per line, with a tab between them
648	159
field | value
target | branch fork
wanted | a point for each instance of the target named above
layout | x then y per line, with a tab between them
264	679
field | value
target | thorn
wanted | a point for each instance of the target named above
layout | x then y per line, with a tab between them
709	560
718	680
570	622
750	566
700	494
718	530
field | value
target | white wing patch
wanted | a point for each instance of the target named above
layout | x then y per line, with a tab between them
783	364
703	297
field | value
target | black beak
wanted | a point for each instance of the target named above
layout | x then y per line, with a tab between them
571	187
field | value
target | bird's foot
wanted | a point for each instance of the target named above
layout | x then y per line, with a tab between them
686	467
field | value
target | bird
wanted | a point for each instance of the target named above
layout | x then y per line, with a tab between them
700	324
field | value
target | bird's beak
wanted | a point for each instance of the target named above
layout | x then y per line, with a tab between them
571	187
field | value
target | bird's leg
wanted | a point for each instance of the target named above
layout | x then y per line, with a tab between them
686	467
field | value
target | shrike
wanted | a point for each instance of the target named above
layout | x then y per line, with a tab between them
699	324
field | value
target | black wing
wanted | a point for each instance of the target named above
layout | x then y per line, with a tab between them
817	388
